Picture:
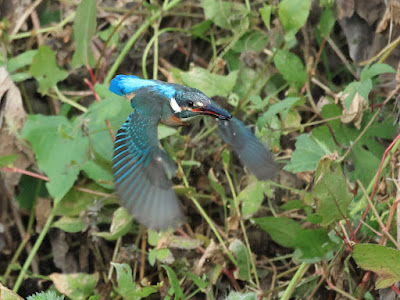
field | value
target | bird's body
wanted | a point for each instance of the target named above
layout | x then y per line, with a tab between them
142	169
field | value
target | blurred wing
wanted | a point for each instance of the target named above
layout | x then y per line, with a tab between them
254	155
141	174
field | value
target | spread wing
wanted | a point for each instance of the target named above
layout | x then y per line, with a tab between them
254	155
142	172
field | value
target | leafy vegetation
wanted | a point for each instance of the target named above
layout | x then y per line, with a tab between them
325	227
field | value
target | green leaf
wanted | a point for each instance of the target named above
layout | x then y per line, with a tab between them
370	71
75	285
48	295
307	154
105	34
332	197
165	131
254	40
209	83
74	202
265	13
175	284
69	224
222	13
282	230
327	22
242	258
99	174
252	197
126	287
314	245
282	107
384	261
363	88
60	150
6	160
291	67
20	61
84	29
293	14
120	225
198	281
241	296
45	69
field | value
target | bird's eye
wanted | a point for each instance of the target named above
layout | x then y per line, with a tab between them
190	104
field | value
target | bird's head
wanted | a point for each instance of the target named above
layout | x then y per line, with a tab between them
187	103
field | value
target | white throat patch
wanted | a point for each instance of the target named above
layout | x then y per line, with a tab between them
174	105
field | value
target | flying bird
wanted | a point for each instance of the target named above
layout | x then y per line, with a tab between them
142	168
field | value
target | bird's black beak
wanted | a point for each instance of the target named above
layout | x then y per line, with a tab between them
214	111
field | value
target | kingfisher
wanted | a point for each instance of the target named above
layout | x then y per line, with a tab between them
142	168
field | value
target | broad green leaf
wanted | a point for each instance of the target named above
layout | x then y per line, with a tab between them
217	186
293	14
241	296
84	29
209	83
363	88
105	35
60	150
332	197
265	13
75	285
370	71
222	13
254	40
30	189
282	107
161	255
126	287
69	224
327	22
120	225
291	67
307	155
45	69
242	258
282	230
165	131
99	174
384	261
74	202
251	197
20	61
6	160
175	284
199	29
314	245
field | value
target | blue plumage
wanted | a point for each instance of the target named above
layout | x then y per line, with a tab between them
142	169
126	84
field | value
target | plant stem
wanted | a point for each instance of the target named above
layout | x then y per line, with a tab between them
35	248
64	99
296	278
134	38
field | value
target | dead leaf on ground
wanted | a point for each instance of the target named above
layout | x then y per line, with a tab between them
62	259
214	254
42	212
355	112
12	119
392	14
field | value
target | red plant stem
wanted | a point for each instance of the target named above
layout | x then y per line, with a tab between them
25	172
376	181
92	76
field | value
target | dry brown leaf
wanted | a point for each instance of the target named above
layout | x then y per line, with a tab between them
62	258
214	254
392	14
42	212
355	112
12	119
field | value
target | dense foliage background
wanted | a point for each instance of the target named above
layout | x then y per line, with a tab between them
315	79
